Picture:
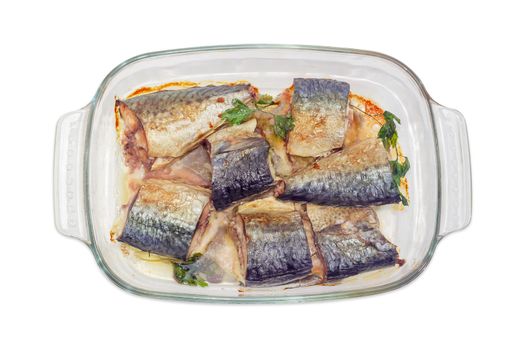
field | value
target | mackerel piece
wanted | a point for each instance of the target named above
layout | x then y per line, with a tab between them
320	112
350	241
164	217
193	168
356	176
276	244
176	120
221	249
240	165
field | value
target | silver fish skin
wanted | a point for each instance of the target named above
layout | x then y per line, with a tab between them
350	241
356	176
175	120
320	111
277	248
240	169
163	217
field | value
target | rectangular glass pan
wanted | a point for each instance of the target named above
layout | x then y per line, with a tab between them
87	171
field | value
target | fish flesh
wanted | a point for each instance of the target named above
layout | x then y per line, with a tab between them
133	140
318	273
221	250
277	249
265	122
193	168
163	217
174	121
282	164
320	112
240	166
359	175
350	241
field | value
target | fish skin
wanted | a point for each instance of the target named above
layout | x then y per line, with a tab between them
356	176
163	217
348	250
240	168
323	216
320	112
277	247
175	120
350	241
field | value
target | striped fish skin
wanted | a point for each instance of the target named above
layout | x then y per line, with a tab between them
348	251
356	176
175	120
350	240
240	168
320	112
277	248
164	217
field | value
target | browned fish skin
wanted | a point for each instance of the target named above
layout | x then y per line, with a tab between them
357	176
175	120
320	112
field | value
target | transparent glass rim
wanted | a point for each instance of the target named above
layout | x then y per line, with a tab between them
255	299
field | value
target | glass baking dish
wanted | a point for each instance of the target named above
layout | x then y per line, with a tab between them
87	171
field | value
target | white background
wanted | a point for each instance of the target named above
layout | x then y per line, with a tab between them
54	55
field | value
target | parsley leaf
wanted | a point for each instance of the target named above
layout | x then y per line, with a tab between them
390	117
282	125
399	170
388	135
184	275
237	114
404	200
264	101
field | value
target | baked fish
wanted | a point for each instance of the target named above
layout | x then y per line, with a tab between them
163	217
282	164
193	168
356	176
277	249
175	120
221	250
350	241
265	122
240	165
320	112
132	139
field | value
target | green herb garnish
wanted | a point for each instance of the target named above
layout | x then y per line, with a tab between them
240	113
264	101
237	114
184	275
399	170
388	135
388	132
283	125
